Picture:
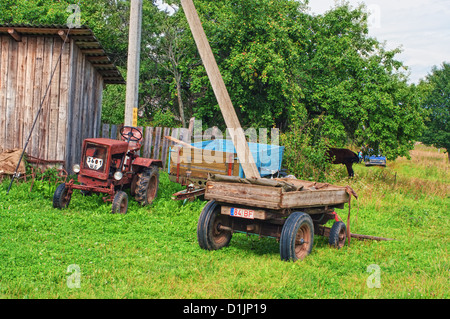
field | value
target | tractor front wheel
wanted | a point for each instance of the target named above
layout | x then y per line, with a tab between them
61	199
120	203
147	186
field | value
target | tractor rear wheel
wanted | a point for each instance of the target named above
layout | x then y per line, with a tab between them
147	185
60	198
120	203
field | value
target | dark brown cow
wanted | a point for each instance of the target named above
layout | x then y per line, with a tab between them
343	156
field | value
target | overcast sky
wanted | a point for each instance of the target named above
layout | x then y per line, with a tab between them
420	27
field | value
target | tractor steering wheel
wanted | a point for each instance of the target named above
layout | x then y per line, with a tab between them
128	133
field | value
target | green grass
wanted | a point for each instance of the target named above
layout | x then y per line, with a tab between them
152	252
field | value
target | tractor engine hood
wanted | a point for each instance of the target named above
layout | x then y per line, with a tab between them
115	146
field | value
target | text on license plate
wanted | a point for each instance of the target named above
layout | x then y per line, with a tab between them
243	213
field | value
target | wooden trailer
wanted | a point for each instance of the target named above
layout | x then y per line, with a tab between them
191	164
290	210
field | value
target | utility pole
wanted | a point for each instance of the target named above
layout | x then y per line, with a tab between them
134	56
229	114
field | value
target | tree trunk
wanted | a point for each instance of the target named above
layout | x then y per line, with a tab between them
180	102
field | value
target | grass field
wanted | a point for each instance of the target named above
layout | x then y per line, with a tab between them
152	252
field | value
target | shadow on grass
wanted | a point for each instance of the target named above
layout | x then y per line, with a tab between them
254	245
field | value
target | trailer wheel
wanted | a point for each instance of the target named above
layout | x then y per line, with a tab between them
60	198
209	234
297	237
120	203
147	186
338	235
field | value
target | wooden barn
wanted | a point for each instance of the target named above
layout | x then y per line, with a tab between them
72	109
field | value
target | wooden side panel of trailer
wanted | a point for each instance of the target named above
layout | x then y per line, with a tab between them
200	163
274	198
314	198
244	194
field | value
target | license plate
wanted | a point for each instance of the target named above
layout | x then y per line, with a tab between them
243	213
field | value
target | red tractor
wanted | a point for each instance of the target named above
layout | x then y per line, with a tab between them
111	166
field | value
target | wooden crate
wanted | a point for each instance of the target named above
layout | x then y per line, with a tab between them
195	161
195	165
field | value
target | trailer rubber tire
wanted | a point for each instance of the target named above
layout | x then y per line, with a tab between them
209	236
147	186
297	237
120	203
338	235
59	197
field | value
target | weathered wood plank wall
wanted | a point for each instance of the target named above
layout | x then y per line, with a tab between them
26	69
84	106
71	110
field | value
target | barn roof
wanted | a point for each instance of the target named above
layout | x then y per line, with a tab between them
83	37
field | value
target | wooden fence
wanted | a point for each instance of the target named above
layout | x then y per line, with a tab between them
154	144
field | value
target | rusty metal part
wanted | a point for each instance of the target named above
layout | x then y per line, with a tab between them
325	231
226	228
105	190
301	238
188	193
61	176
40	161
350	192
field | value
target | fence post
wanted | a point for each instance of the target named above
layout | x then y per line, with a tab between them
148	142
105	131
156	151
114	132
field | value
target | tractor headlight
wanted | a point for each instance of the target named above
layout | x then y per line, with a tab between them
118	176
76	168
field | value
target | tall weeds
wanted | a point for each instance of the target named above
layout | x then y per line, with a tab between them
305	150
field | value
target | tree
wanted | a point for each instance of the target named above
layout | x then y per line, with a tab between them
173	56
278	61
254	42
358	86
437	105
108	19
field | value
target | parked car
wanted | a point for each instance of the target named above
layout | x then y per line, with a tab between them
375	160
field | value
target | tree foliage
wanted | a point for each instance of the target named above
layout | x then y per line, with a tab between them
359	86
305	154
108	19
278	62
256	48
437	105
